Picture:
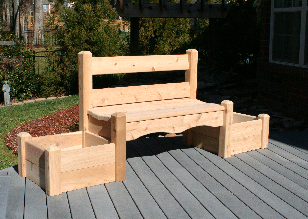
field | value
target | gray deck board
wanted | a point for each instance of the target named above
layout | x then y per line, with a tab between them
15	204
269	184
275	202
142	197
223	186
192	206
101	202
284	162
80	204
199	190
122	200
35	201
58	206
283	153
5	182
168	204
291	175
167	180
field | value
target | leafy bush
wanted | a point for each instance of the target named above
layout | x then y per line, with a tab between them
164	35
85	27
17	67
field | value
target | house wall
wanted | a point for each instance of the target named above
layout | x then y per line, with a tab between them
283	88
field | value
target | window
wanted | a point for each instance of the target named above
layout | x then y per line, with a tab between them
289	32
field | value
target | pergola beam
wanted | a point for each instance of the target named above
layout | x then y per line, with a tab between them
171	10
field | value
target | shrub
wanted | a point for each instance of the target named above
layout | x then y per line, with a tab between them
17	67
85	27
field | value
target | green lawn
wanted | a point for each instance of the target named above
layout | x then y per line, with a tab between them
13	116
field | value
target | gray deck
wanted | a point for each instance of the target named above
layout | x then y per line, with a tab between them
166	180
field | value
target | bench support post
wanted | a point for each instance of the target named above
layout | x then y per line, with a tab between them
85	88
118	137
225	131
191	73
22	138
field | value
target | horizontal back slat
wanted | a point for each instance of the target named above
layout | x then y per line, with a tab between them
133	64
137	94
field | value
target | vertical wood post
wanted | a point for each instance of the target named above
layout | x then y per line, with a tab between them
21	139
188	138
134	35
85	88
118	137
265	130
225	131
191	77
53	170
191	73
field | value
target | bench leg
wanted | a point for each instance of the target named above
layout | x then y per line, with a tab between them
118	137
225	131
188	138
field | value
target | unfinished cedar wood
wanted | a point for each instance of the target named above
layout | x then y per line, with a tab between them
60	163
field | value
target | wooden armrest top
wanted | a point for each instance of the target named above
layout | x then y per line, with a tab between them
155	109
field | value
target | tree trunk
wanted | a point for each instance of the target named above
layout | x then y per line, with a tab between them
38	23
16	18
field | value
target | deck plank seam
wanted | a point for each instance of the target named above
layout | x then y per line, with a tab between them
112	201
260	152
133	200
276	182
265	188
160	180
147	189
274	150
69	204
202	185
91	202
248	188
290	178
179	179
228	189
290	152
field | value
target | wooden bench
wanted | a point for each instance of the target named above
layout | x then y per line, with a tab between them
125	113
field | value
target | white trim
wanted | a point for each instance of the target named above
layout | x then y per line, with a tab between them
303	9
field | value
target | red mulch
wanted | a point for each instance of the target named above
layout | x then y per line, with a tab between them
63	121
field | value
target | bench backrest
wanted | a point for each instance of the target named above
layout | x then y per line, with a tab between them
89	66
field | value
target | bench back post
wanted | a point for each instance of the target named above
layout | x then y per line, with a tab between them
85	88
191	73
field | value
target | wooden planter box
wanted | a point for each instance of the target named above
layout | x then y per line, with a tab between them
60	163
246	133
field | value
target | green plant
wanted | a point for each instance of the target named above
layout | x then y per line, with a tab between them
17	67
164	35
85	27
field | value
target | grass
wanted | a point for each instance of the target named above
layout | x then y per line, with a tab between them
16	115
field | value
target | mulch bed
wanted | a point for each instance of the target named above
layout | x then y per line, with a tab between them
63	121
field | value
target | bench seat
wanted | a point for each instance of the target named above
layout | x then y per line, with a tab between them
155	109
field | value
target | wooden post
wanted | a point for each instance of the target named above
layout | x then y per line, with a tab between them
265	130
191	77
191	73
53	170
21	139
118	137
85	89
188	138
225	131
134	35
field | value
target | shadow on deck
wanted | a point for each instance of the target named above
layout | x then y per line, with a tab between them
167	180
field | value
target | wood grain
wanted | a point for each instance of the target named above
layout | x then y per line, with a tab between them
132	64
138	94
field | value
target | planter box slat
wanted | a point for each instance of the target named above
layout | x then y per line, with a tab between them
35	153
87	157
